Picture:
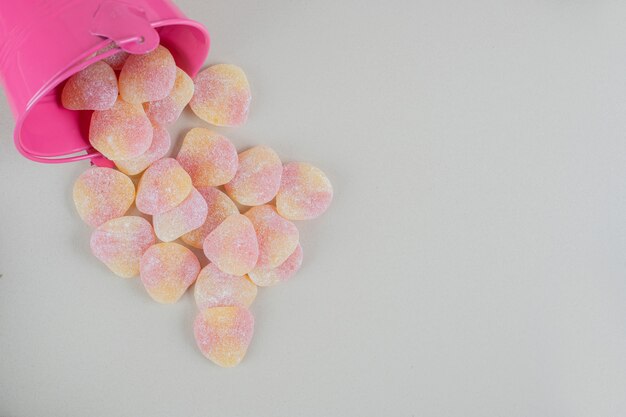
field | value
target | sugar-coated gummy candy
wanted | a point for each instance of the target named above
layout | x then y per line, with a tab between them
215	288
167	270
266	277
102	194
168	110
233	245
258	177
277	236
148	77
116	61
219	208
222	95
187	216
223	334
120	243
94	88
122	132
163	186
209	158
305	192
161	142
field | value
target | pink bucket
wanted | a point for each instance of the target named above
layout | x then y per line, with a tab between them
44	42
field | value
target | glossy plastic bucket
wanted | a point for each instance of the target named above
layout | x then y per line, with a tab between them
44	42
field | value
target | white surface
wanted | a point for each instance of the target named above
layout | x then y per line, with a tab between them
472	263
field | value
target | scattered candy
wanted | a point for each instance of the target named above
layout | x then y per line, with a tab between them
94	88
215	288
222	95
102	194
209	158
148	77
223	334
187	216
259	247
168	110
277	237
258	177
161	142
116	61
163	186
219	208
233	245
305	192
266	277
122	132
167	270
121	242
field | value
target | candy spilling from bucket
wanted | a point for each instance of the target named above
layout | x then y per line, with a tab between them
190	199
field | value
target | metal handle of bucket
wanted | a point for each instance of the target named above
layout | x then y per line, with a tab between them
123	24
126	25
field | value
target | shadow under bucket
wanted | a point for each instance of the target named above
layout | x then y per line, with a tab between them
44	42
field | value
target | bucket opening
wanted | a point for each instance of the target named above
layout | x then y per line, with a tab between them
50	133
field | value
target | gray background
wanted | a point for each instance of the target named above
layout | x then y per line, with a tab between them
472	263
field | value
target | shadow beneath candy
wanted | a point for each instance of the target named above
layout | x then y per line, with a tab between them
187	319
178	130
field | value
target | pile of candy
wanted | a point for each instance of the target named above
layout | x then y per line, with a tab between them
257	248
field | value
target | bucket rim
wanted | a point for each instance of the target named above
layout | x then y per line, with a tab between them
81	62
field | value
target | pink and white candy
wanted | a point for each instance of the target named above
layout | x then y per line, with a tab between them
120	244
187	216
233	245
258	177
223	334
167	270
215	288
